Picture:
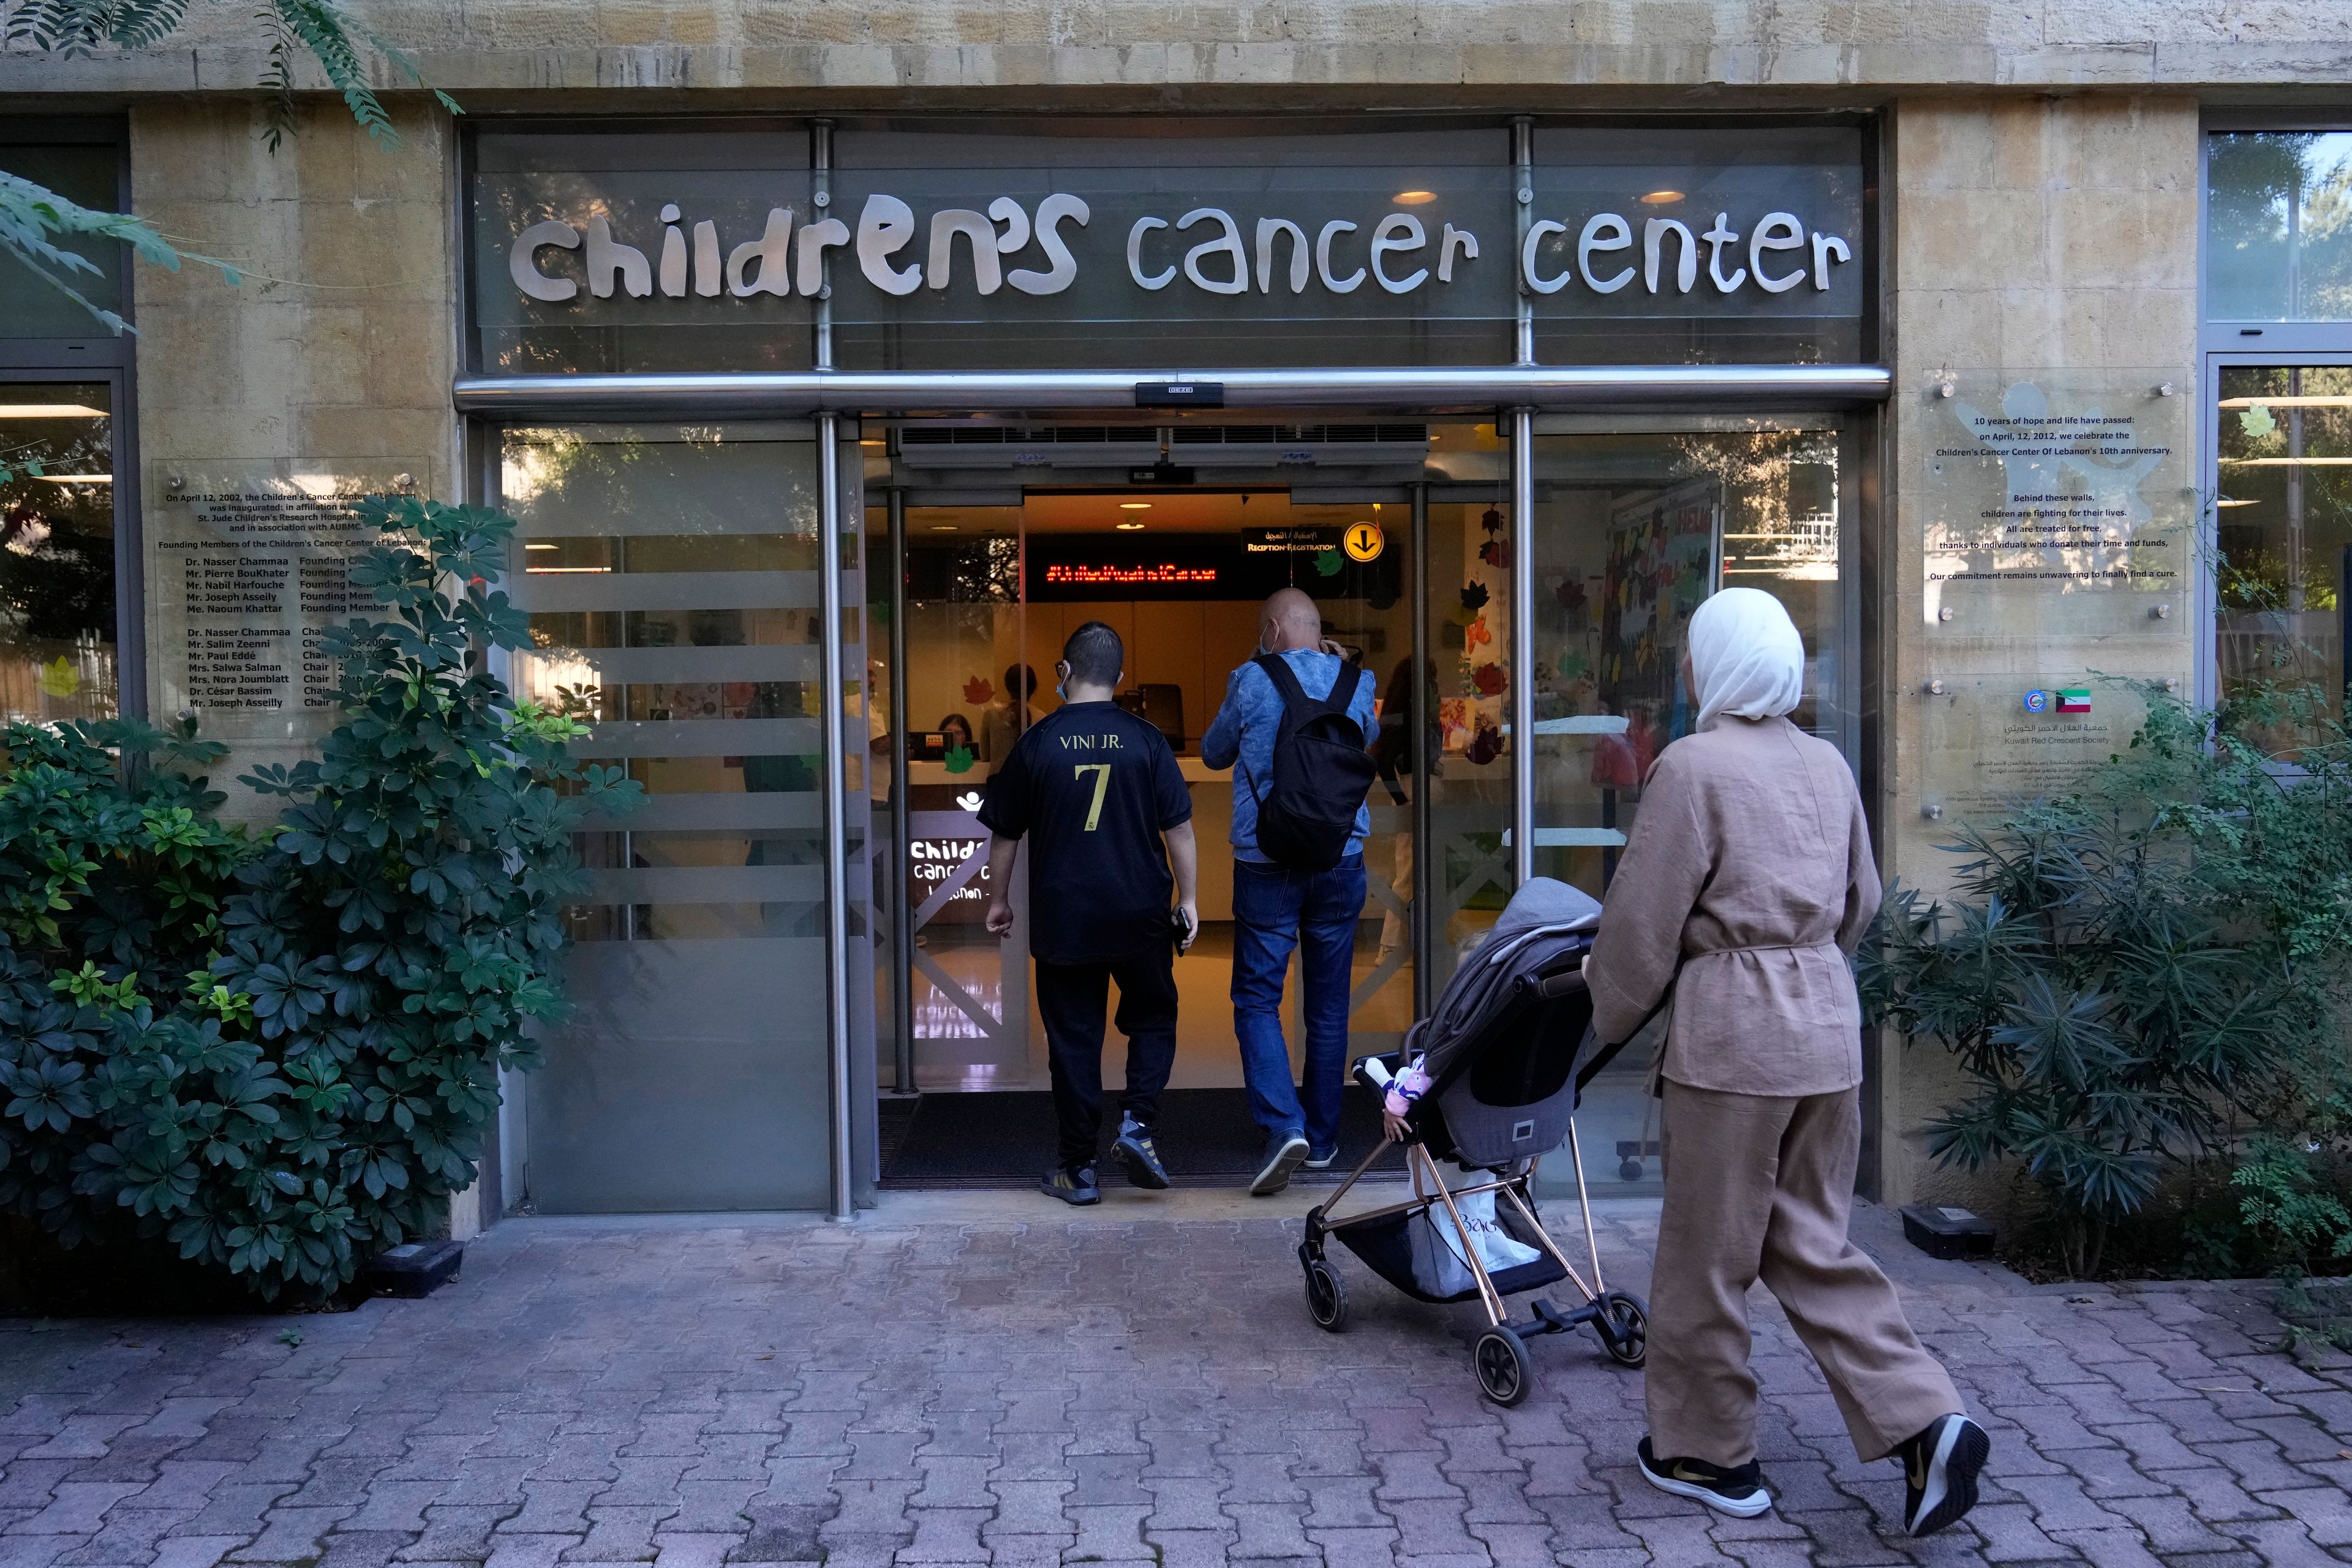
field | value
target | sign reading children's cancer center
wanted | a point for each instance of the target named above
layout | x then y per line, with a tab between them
1073	234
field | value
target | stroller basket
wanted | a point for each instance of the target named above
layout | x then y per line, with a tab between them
1413	1251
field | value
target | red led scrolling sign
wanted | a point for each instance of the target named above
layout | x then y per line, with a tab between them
1085	575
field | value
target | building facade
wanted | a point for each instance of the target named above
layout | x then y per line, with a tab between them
836	365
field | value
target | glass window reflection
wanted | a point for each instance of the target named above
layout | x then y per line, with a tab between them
2283	534
57	552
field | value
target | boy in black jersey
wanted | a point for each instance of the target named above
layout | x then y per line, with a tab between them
1098	792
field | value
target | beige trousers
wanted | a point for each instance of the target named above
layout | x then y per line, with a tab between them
1761	1187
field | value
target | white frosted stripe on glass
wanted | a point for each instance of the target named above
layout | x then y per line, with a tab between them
1573	838
1583	724
665	591
620	665
708	885
703	738
670	813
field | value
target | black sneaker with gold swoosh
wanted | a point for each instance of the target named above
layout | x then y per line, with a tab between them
1738	1491
1940	1473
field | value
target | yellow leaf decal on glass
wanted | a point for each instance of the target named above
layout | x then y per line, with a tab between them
60	678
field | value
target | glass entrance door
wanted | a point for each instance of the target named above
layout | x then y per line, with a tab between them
1636	525
670	580
991	593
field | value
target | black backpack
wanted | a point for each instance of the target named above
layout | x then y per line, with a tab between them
1307	813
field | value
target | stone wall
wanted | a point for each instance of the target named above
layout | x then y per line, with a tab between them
2049	242
332	357
1463	53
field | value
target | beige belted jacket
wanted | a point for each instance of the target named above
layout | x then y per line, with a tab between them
1749	862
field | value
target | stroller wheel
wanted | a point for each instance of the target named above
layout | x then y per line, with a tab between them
1629	1170
1326	1299
1505	1373
1624	1328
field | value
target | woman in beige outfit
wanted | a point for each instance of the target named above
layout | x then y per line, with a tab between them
1748	881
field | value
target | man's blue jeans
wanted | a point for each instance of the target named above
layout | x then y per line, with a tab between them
1274	911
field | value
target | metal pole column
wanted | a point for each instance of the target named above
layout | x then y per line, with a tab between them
902	912
821	178
1424	881
1523	167
836	804
1522	673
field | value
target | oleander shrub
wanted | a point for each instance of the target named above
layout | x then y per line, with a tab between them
2146	979
275	1054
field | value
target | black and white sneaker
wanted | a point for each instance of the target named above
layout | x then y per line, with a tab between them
1284	1153
1940	1473
1738	1492
1073	1184
1139	1155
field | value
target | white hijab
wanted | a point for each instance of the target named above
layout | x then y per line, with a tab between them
1747	659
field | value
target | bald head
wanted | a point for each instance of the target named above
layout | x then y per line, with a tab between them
1290	620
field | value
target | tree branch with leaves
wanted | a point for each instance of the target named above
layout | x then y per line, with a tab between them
38	225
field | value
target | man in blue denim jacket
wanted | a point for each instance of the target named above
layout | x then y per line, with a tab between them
1275	908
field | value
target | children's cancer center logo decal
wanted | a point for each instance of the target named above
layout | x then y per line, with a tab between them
1422	245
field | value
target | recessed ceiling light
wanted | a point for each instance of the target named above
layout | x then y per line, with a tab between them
944	528
50	411
1662	198
77	479
1416	198
2233	501
542	547
1135	506
1130	527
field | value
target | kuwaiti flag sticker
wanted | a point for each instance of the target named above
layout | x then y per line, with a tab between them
2074	700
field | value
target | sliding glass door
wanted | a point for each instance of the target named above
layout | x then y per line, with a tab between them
670	578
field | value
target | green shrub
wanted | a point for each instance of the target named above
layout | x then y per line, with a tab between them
278	1054
2134	975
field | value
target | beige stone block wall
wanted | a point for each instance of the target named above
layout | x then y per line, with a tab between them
1537	54
337	348
2032	238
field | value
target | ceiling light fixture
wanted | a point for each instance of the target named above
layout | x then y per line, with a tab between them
1135	506
76	479
945	528
1416	198
1662	198
1130	527
50	411
2233	501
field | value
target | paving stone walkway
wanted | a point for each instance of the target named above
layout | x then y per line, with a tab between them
1018	1389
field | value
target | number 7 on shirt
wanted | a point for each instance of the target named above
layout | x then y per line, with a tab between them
1102	782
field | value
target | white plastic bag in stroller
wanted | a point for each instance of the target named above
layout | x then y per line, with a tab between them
1497	1248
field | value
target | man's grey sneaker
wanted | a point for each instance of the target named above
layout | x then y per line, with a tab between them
1137	1153
1940	1473
1284	1153
1073	1184
1738	1492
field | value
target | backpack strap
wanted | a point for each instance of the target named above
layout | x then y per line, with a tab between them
1298	707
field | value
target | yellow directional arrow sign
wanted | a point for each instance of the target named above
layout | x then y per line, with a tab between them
1364	542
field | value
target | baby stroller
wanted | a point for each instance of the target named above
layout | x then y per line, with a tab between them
1499	1049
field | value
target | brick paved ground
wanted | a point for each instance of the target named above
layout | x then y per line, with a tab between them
918	1390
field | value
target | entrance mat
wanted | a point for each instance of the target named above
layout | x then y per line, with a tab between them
1206	1140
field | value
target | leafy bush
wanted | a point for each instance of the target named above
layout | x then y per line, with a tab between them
2135	975
278	1054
